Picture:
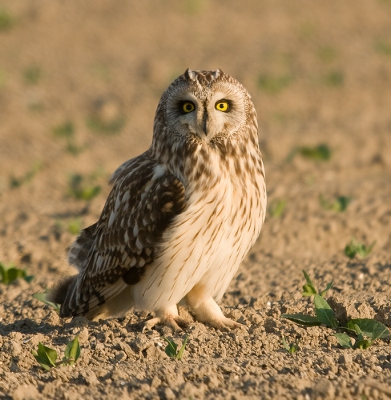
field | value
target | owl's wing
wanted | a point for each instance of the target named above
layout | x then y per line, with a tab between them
114	252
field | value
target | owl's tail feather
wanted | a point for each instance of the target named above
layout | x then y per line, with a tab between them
107	302
78	252
59	294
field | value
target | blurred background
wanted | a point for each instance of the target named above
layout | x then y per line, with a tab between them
80	82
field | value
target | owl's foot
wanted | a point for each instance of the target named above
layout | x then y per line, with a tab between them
168	317
208	311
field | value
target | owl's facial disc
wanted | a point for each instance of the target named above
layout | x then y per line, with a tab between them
216	111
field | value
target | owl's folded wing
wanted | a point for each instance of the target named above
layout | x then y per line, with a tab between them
114	252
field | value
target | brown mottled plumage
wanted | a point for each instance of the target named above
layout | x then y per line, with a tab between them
181	216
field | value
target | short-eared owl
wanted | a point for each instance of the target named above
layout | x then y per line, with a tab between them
181	216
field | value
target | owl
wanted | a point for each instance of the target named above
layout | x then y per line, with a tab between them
180	217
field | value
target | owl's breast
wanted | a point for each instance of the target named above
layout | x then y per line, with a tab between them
209	239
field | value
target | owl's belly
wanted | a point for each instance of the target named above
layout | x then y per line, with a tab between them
205	246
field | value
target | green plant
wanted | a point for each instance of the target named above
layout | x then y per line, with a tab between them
32	75
83	188
290	348
6	20
327	54
383	48
17	182
98	124
74	226
65	130
320	152
9	273
274	84
172	348
339	204
334	78
367	330
277	208
43	298
47	357
355	248
194	6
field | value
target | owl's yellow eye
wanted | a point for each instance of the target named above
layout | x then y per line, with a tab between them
222	106
188	107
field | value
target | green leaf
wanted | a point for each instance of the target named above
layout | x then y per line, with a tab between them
74	226
285	344
369	328
182	349
14	274
274	84
83	188
308	291
363	251
341	203
344	340
319	153
291	349
328	287
72	351
324	313
43	297
302	319
17	182
171	348
45	356
65	130
362	344
338	205
277	208
355	248
10	273
308	279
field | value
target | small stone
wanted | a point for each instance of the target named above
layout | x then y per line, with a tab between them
120	356
127	349
79	321
83	335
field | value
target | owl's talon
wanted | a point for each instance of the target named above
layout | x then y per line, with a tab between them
176	324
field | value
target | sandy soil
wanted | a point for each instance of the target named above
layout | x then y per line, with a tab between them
79	83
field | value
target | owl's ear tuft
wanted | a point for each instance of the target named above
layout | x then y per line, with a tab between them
189	74
217	73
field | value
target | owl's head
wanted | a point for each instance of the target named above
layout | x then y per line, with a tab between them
205	106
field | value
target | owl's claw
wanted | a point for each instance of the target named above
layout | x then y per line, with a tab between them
225	324
169	318
209	312
176	324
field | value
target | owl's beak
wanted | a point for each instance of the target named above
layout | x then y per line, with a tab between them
205	123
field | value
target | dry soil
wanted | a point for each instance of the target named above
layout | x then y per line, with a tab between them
79	84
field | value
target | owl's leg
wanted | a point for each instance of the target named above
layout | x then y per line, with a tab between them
207	310
168	316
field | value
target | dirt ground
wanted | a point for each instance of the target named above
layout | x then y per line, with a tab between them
79	84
